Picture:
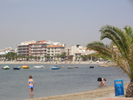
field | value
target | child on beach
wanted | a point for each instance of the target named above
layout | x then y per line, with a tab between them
31	86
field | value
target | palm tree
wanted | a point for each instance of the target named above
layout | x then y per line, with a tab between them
47	57
84	57
63	55
120	51
58	56
11	55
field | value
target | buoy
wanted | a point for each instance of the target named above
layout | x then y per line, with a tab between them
12	69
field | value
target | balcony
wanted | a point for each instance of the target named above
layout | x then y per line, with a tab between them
38	52
39	49
35	46
22	47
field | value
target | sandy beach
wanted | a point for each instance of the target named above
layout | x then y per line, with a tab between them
101	93
64	62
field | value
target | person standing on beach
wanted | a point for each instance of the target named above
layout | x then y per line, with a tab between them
31	86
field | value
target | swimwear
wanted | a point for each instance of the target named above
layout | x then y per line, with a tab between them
31	82
31	86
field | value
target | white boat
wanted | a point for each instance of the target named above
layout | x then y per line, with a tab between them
6	67
39	67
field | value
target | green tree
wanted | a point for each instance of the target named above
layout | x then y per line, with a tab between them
11	55
122	40
97	55
35	57
27	58
84	57
39	58
47	57
63	55
31	57
77	45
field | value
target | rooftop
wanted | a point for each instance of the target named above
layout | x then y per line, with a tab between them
51	46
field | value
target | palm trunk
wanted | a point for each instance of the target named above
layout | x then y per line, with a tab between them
129	90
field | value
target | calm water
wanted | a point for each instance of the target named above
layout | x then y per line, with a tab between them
55	82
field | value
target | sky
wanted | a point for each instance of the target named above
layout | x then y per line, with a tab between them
67	21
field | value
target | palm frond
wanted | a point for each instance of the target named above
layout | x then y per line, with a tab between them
123	40
117	36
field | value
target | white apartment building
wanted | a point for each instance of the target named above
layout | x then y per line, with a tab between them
39	48
68	51
77	51
23	48
6	50
54	50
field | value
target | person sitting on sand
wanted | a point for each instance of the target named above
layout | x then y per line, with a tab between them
102	83
31	86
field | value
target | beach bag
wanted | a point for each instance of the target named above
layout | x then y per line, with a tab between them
99	79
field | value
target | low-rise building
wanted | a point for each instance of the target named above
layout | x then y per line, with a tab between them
6	50
76	52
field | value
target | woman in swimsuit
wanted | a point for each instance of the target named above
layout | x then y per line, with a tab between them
30	85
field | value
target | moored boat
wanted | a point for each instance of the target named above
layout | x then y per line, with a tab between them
6	67
91	66
55	67
70	67
39	67
25	67
60	66
16	68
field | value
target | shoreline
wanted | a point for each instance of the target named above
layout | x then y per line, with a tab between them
97	94
101	64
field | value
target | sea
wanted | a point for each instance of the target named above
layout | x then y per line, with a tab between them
48	82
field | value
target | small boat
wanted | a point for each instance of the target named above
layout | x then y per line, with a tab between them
6	67
25	67
39	67
16	68
91	66
76	67
70	67
60	66
55	67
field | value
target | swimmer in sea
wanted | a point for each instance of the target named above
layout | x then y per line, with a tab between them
31	86
102	83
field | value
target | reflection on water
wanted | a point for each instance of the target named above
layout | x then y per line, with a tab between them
55	82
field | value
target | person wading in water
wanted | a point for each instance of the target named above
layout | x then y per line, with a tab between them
31	86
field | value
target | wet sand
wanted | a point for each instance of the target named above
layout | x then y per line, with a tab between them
101	93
